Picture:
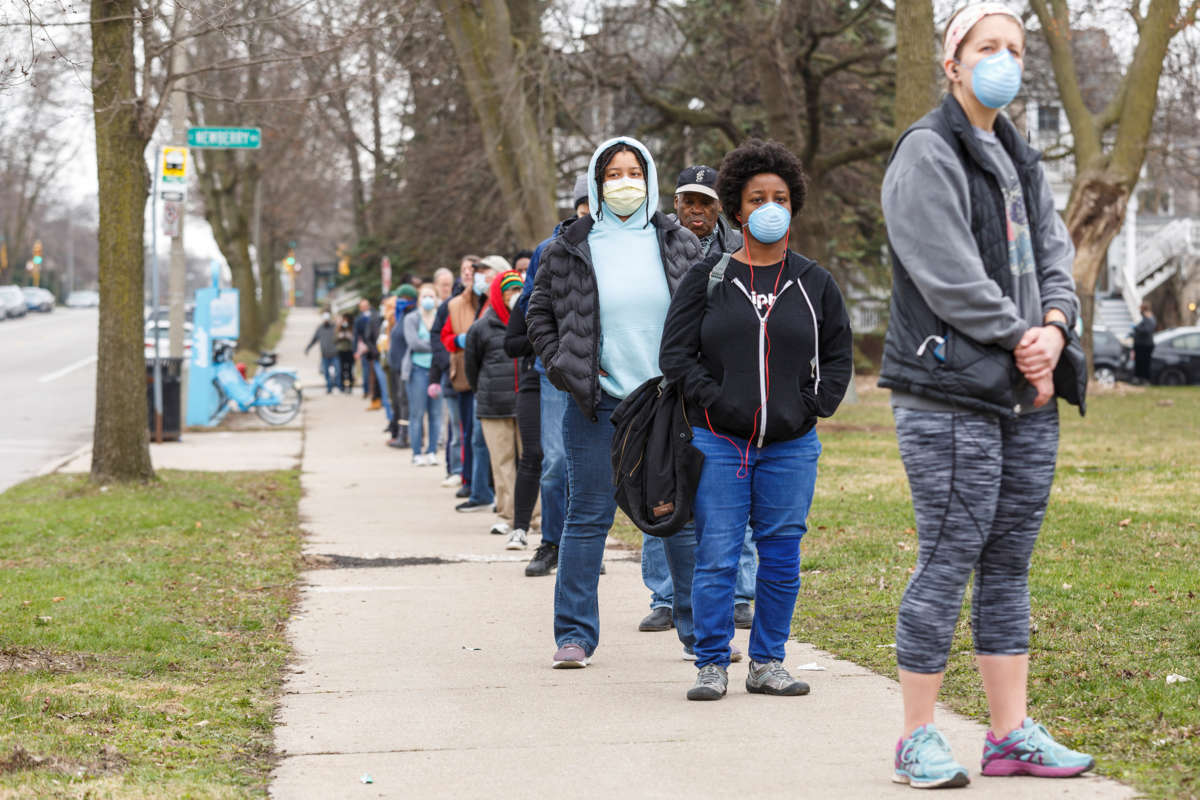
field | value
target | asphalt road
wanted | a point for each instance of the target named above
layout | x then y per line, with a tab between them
48	375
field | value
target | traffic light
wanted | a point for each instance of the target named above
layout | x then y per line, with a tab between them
290	261
343	260
37	252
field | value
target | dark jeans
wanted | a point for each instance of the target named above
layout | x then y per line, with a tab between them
329	370
365	368
554	461
399	394
1141	360
529	468
590	509
346	377
466	421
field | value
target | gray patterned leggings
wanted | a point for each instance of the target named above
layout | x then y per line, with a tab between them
980	485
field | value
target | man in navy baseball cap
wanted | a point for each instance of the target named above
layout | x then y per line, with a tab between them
698	209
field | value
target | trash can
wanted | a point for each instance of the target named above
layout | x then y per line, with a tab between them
172	383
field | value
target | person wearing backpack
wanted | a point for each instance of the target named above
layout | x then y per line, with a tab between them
595	318
759	342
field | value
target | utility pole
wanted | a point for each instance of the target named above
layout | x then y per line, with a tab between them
177	271
70	255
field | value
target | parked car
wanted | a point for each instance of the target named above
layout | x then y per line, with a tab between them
12	301
1111	360
38	299
1176	358
164	339
83	298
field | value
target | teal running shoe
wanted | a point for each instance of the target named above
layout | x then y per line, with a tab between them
924	761
1031	750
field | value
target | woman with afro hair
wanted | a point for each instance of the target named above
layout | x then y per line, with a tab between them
759	342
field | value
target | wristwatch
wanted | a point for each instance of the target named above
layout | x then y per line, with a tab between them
1062	326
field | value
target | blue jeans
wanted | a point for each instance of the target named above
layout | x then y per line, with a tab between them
658	579
454	455
554	462
331	369
774	498
381	382
481	465
421	405
466	426
590	509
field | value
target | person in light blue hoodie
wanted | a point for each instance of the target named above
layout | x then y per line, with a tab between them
595	318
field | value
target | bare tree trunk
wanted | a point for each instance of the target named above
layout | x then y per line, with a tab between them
120	444
916	80
229	206
1104	179
492	67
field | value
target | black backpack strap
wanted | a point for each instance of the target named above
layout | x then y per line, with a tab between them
717	274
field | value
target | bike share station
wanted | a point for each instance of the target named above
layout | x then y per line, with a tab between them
215	383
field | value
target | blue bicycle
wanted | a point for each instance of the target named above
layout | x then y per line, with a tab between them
274	393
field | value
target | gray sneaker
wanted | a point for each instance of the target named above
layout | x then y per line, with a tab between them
516	540
711	682
773	678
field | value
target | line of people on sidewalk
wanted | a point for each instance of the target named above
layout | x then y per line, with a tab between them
757	339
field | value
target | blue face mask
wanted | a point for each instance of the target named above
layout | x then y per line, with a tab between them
995	80
428	303
481	285
769	223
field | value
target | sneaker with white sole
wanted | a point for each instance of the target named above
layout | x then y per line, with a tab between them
431	459
570	656
500	529
1031	750
924	761
452	482
516	540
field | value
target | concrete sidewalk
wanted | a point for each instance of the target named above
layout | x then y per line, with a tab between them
431	672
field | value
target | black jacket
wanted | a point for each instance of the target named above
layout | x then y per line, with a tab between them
967	374
490	371
518	346
1143	332
771	381
563	318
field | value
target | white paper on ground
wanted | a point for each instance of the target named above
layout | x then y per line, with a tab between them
812	666
1177	678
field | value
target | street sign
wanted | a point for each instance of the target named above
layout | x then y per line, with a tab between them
172	211
172	176
385	269
225	138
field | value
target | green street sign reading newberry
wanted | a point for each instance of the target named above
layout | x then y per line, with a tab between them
225	138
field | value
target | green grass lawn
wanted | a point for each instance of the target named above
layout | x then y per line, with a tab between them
1115	578
141	634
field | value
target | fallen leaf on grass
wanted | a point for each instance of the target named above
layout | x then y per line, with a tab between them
44	620
58	599
26	602
1125	522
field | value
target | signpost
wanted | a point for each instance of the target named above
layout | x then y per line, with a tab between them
225	138
385	269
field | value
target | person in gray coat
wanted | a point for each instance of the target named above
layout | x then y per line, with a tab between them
326	336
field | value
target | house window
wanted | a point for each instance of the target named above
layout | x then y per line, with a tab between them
1155	201
1047	118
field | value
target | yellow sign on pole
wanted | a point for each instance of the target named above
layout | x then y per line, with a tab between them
174	166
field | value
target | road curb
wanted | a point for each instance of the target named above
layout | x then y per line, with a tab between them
55	464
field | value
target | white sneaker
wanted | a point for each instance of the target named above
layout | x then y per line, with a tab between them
500	528
452	482
516	540
431	459
419	460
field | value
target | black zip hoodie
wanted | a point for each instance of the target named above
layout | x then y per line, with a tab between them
765	367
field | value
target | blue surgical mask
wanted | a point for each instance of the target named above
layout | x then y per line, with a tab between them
769	223
995	80
482	284
428	303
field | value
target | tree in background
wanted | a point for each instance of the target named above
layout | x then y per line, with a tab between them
1109	146
916	62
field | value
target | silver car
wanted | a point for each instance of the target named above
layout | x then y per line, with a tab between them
12	301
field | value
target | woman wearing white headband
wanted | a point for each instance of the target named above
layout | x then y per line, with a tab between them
981	311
